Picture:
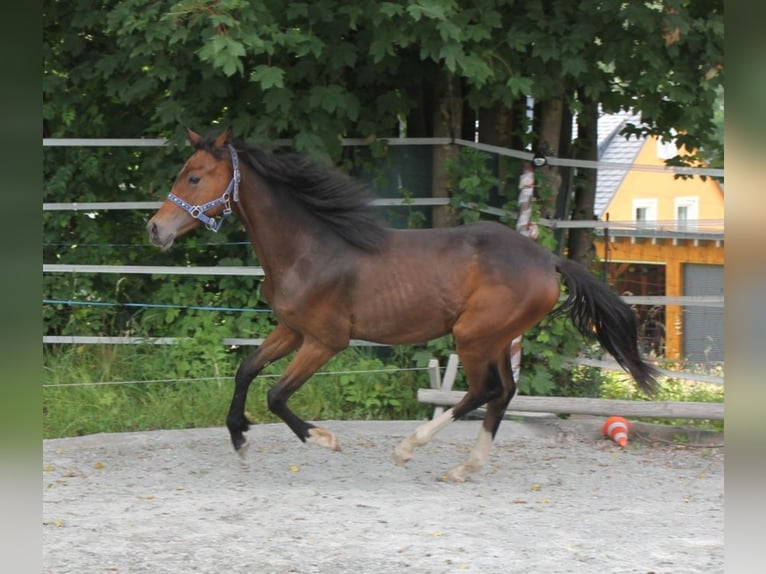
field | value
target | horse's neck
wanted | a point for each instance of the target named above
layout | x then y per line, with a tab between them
277	228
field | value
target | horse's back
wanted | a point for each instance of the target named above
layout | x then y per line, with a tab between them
429	278
488	241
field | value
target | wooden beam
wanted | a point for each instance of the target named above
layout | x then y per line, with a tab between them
621	249
588	406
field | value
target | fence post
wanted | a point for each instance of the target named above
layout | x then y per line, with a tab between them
445	384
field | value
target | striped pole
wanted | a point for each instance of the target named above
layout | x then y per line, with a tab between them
528	228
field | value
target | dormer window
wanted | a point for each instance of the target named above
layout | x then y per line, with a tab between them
687	212
644	211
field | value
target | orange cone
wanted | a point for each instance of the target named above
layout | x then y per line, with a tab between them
616	428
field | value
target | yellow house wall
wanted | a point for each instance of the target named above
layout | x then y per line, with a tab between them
674	257
664	188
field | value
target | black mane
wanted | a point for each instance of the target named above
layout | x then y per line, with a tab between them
338	200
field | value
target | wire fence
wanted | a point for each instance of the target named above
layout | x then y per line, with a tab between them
610	229
226	378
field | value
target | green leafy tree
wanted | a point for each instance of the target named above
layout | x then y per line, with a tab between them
317	72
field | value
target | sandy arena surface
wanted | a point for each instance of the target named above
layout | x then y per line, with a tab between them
555	497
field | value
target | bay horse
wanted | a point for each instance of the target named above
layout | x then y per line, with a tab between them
333	273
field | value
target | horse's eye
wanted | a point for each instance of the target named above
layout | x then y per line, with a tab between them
194	179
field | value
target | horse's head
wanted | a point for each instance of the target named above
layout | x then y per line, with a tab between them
203	190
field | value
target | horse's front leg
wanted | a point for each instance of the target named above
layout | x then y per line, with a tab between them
309	358
277	344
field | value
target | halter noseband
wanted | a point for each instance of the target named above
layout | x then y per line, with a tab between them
231	192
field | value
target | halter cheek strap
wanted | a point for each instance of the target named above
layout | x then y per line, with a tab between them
231	193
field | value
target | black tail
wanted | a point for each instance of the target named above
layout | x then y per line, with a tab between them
598	311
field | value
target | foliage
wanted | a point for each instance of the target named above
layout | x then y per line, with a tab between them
377	394
474	180
315	71
545	370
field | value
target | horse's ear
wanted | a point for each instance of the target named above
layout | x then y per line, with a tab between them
223	138
193	136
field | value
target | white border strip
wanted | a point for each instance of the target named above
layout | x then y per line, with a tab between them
104	142
130	205
229	342
152	269
102	206
519	154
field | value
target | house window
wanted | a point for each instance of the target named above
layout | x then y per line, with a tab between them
644	211
687	212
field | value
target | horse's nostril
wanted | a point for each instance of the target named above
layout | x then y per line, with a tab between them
153	232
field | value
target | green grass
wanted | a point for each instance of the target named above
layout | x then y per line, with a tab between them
92	388
618	386
106	388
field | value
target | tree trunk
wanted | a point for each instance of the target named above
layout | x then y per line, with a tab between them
548	139
581	246
448	120
420	118
495	128
564	197
495	125
469	118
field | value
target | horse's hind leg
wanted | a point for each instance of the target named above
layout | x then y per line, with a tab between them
277	344
499	375
484	385
405	450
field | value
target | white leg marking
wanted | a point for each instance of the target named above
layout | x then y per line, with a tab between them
477	459
421	437
323	437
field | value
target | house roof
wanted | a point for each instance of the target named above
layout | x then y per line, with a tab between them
616	148
613	147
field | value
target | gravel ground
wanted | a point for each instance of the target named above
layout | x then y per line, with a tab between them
555	497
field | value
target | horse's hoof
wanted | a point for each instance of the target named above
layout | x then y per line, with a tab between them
400	456
241	450
457	474
323	437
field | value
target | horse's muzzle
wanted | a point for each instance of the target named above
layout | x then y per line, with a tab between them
162	240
